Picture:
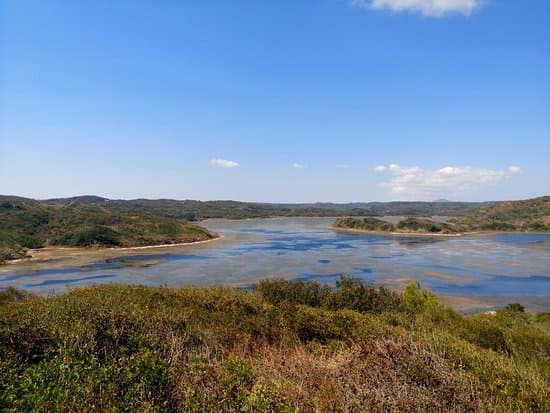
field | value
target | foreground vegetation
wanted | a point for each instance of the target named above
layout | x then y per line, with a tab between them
282	347
28	224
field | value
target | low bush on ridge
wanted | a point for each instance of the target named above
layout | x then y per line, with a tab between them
283	347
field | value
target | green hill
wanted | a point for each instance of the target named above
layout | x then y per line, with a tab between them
198	210
31	224
283	347
526	216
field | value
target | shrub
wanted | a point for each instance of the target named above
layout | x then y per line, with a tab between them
515	308
417	300
93	235
12	294
296	292
350	293
135	348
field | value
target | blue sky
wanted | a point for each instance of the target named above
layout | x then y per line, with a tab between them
282	101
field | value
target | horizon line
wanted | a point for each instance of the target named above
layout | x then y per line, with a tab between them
268	202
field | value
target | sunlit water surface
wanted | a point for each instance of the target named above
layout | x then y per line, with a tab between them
482	270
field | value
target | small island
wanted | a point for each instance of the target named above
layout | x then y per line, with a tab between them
410	225
532	215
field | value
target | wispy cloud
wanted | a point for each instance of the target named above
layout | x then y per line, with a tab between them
431	8
223	163
342	166
298	165
450	181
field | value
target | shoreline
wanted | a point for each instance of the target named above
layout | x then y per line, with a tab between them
435	234
179	244
94	250
421	234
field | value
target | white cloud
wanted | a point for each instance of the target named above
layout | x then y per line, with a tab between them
298	165
222	163
449	181
432	8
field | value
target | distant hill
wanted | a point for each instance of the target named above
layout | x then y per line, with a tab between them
528	216
419	208
82	199
95	221
198	210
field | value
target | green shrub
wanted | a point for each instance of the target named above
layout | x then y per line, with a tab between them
309	293
353	294
350	293
237	379
135	348
417	300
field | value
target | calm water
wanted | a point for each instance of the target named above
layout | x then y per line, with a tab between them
488	270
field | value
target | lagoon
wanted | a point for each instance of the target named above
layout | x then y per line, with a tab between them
471	273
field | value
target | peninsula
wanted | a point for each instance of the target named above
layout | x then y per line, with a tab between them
532	215
26	224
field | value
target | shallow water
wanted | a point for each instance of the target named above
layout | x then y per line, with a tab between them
485	270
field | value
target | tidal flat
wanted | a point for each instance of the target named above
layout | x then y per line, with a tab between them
471	273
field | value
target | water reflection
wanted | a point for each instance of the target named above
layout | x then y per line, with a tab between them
497	268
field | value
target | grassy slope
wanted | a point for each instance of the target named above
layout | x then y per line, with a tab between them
30	224
283	347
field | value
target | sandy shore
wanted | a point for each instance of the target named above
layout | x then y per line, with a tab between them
90	254
468	304
180	244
